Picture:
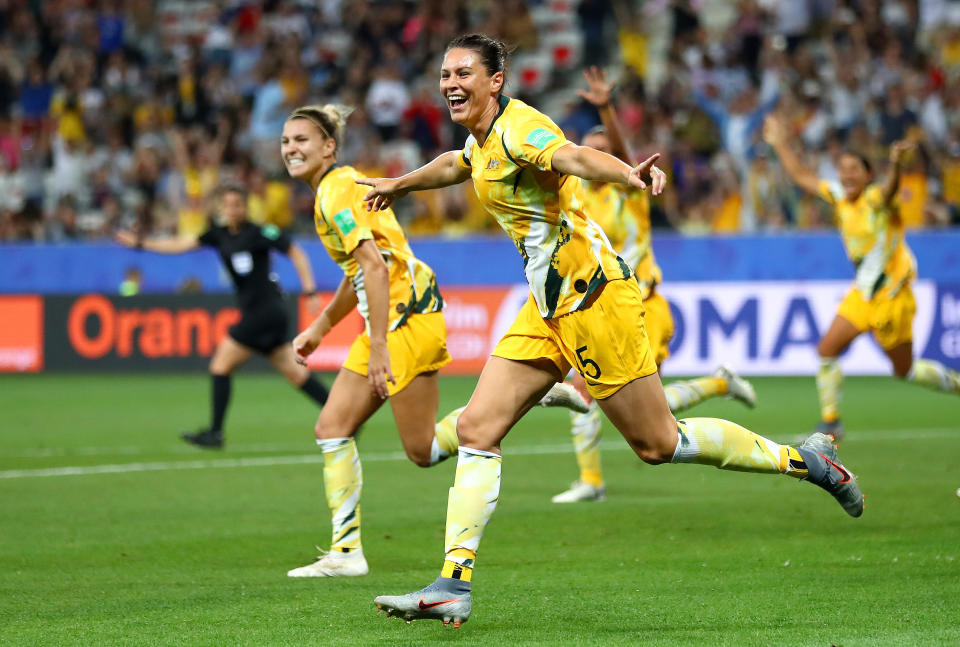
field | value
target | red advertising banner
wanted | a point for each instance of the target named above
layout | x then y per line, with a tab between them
21	333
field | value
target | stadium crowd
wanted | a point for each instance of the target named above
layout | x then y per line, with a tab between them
129	114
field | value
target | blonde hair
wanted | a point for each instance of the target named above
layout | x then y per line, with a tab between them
329	118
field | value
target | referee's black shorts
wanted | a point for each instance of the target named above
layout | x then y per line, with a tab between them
263	329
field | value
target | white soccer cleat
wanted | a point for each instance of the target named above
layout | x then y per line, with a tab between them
334	564
580	491
446	600
564	395
737	387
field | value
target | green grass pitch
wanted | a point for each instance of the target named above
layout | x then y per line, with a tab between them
152	550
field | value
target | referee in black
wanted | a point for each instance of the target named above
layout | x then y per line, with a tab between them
264	328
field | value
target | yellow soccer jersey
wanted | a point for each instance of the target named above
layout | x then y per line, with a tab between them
566	256
872	234
624	215
343	222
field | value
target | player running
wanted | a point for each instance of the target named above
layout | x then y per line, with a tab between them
881	299
584	310
623	212
244	248
398	354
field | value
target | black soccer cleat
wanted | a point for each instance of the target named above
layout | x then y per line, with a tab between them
205	438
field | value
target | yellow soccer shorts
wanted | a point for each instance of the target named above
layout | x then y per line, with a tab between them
606	342
890	318
658	321
418	346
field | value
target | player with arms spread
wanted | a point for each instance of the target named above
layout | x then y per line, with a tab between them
623	212
398	354
585	310
244	248
881	299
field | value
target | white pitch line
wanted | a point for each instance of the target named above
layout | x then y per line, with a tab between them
300	459
262	461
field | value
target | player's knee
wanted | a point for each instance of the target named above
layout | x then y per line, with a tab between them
325	429
825	351
654	454
476	431
419	456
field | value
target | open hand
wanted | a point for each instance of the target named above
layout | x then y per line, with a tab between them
598	92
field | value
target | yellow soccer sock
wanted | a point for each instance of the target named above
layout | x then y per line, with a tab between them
343	481
934	375
727	445
686	393
829	381
471	502
585	429
445	439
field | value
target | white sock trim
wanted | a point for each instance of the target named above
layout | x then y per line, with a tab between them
478	452
327	445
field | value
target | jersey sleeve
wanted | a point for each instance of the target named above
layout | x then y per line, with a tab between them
532	140
209	238
275	238
463	159
829	191
344	209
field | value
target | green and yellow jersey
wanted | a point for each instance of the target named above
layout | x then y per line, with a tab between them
343	222
872	234
623	213
566	256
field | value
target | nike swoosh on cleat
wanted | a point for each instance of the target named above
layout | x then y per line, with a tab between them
839	468
435	604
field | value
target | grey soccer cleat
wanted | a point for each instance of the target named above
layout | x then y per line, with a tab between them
834	429
737	387
446	599
562	394
825	470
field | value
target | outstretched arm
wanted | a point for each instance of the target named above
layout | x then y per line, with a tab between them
598	95
775	134
590	164
442	171
892	183
177	245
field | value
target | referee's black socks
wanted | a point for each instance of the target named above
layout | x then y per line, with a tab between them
220	400
315	391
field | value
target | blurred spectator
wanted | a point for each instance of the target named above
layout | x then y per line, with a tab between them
130	112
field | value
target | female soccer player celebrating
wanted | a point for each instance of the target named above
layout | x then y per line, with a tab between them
881	300
623	212
263	327
584	310
398	354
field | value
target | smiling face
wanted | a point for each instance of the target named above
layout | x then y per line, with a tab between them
469	90
306	151
854	176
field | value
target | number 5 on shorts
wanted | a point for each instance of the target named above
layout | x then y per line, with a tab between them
585	362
